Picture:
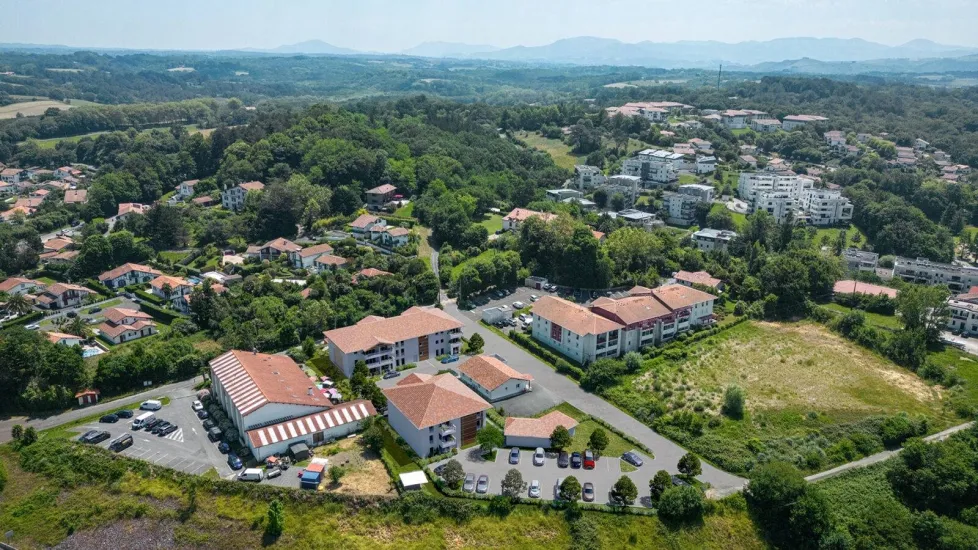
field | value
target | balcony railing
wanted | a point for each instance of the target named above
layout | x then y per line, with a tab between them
447	442
446	430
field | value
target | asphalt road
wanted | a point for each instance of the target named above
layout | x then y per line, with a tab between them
667	453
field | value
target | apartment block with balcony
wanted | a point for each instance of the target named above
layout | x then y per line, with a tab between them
826	207
964	313
925	272
384	344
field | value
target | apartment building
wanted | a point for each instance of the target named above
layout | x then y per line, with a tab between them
588	177
713	239
792	122
765	125
706	164
826	207
734	119
964	312
779	204
128	274
611	327
750	184
234	198
860	260
654	166
62	295
923	271
435	414
681	206
386	343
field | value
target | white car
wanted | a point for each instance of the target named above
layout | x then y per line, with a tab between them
534	491
534	297
151	405
33	326
197	406
518	305
538	457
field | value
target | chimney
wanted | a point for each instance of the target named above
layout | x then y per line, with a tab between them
310	390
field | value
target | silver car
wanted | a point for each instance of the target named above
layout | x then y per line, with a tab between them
482	487
534	491
469	485
538	457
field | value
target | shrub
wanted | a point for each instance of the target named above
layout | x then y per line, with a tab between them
570	489
681	504
584	533
276	519
659	484
624	492
598	440
453	474
689	465
733	402
560	438
336	473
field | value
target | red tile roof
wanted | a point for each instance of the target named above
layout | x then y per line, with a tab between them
252	186
538	427
174	282
575	318
522	214
679	296
8	284
699	278
490	373
253	380
364	220
382	189
315	250
126	268
117	314
371	331
434	400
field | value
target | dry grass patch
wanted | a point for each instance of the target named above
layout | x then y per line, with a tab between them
365	473
31	108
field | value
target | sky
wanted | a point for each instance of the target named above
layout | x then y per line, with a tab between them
395	25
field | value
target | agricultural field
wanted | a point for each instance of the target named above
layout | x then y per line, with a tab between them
492	223
806	388
31	108
890	322
558	150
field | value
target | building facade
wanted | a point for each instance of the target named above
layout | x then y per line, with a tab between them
860	260
234	198
826	207
925	272
128	274
713	239
588	177
492	379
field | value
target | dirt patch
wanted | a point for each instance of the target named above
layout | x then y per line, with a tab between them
136	534
911	384
365	473
31	108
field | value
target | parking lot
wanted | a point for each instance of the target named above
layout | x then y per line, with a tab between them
186	449
606	472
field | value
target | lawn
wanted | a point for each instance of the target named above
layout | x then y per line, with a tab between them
492	223
616	444
740	220
558	150
740	131
832	233
406	211
173	256
806	388
485	255
891	322
688	178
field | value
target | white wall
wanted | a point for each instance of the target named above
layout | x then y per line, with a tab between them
336	432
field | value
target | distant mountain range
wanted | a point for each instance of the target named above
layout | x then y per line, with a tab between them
448	49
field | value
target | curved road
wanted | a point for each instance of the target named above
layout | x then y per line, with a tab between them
667	453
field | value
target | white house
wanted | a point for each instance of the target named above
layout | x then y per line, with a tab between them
17	286
305	258
493	379
178	288
63	339
364	224
13	175
923	271
234	198
124	325
765	125
273	249
386	343
706	165
128	274
535	432
713	239
186	189
434	414
517	216
791	122
274	405
128	209
835	138
62	295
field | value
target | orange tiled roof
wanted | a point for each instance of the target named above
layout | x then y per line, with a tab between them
573	317
371	331
538	427
428	401
490	373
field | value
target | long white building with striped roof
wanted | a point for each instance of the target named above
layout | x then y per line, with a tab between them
274	405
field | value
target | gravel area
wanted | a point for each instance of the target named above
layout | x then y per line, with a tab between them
137	534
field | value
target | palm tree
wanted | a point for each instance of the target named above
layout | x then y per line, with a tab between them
76	326
18	304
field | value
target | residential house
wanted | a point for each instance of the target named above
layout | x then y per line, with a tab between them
274	405
387	343
127	209
305	258
125	325
561	194
701	145
182	303
379	196
588	177
532	433
706	164
170	288
369	273
17	286
765	125
12	215
713	239
791	122
67	172
923	271
435	414
749	161
703	278
512	221
492	379
64	339
234	198
273	249
128	274
392	237
204	201
186	189
329	262
364	224
835	138
76	196
860	260
734	119
62	295
637	218
13	175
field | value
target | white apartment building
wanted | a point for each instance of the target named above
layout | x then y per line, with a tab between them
386	343
435	414
587	177
791	122
611	327
234	198
713	239
706	165
826	207
734	119
964	313
274	405
777	203
681	206
750	184
860	260
923	271
765	125
654	166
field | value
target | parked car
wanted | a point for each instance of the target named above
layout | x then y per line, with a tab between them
632	458
482	486
469	484
203	415
215	434
169	430
391	374
94	436
234	462
33	326
534	491
512	322
251	474
450	359
514	455
563	459
439	469
109	419
538	457
151	423
122	442
94	309
503	307
518	305
575	460
224	447
588	459
272	472
208	424
197	406
151	405
160	427
71	314
124	413
587	492
534	297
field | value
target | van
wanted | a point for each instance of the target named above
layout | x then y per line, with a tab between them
142	420
151	405
124	441
250	474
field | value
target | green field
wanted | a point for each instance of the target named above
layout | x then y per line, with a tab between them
740	220
688	178
485	255
890	322
406	211
492	223
832	233
740	131
558	150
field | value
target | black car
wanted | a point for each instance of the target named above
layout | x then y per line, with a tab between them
208	424
168	430
224	447
632	458
152	423
576	460
71	314
202	414
157	429
95	309
124	413
94	436
234	462
215	434
109	419
563	459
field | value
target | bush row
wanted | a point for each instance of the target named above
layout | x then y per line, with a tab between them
562	365
23	319
146	296
97	286
160	314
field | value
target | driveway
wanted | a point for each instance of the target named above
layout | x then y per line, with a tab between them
667	453
969	345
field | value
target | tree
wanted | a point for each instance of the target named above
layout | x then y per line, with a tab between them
924	308
18	304
490	437
476	343
373	438
16	432
570	489
624	492
336	473
453	474
598	440
773	488
689	466
633	361
702	213
659	484
681	504
276	519
617	202
601	198
733	402
513	484
560	438
29	437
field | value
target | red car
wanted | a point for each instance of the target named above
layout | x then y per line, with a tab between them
588	459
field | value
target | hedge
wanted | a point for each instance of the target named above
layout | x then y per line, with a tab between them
562	365
160	314
23	320
151	298
97	286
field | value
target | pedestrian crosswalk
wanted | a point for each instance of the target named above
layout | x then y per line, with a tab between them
175	436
